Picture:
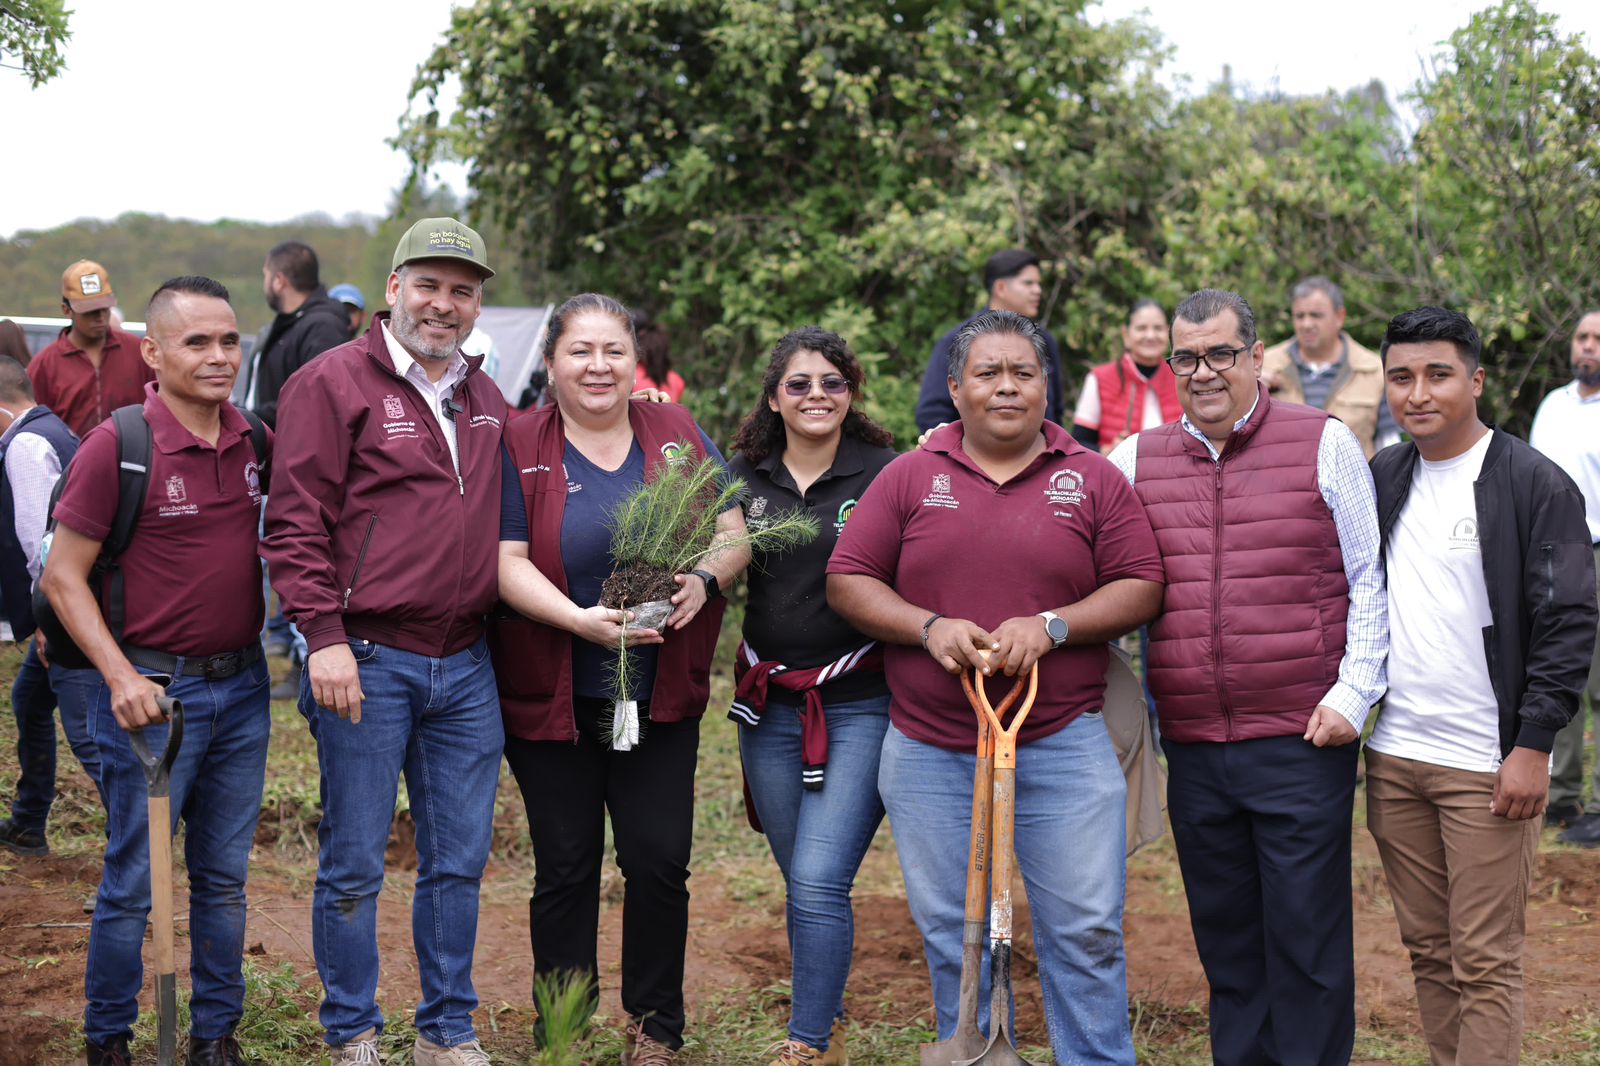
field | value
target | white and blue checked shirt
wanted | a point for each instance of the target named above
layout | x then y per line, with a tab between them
1346	484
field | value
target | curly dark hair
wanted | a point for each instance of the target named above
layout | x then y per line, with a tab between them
762	432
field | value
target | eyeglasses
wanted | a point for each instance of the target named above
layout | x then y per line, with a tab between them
832	385
1184	363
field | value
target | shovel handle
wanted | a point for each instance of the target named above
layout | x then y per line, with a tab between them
1004	736
158	768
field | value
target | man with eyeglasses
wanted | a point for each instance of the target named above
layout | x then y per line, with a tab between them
1268	655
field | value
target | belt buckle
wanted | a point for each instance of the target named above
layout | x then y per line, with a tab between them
222	666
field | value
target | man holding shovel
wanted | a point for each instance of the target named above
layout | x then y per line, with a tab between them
1055	558
192	610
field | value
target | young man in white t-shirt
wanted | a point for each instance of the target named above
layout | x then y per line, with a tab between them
1491	626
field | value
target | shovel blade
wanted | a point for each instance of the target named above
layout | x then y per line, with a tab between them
964	1044
1000	1052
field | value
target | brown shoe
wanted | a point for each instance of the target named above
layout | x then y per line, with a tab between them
641	1049
794	1053
836	1055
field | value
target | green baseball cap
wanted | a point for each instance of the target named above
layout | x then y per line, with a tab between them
442	238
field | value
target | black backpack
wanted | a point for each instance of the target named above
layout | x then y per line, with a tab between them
134	446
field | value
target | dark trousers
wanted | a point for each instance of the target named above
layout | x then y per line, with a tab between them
568	789
1263	835
33	702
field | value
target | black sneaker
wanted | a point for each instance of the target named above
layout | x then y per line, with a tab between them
1561	815
22	841
1585	832
113	1053
223	1052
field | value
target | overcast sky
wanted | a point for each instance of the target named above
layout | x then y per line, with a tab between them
269	111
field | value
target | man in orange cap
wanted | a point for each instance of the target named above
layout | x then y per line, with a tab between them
93	368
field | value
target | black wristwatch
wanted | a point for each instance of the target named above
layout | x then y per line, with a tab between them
713	590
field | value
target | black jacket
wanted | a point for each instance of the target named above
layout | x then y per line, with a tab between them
289	343
1538	563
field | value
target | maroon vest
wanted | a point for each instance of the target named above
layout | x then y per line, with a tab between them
1122	390
1252	629
533	661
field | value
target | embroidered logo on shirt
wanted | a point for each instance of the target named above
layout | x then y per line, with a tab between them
177	499
1464	537
572	486
1065	489
484	420
252	481
393	408
176	493
673	453
844	513
941	496
758	507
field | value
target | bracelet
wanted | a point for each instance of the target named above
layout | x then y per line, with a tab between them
926	626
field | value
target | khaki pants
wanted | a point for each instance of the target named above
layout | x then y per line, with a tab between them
1566	755
1459	879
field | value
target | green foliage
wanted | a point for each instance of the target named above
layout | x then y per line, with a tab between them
35	33
565	1004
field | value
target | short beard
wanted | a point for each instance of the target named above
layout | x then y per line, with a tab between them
1587	378
406	331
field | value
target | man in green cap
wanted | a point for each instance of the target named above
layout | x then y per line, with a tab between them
381	542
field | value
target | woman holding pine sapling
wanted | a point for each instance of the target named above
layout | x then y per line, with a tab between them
811	699
577	746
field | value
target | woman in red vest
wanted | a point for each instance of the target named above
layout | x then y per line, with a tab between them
1136	392
811	703
566	466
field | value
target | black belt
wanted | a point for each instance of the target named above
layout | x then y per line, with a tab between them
210	667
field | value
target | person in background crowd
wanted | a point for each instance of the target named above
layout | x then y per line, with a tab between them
14	342
1013	283
381	543
1491	627
1266	659
1566	428
307	322
655	359
34	448
192	593
1322	366
807	447
1003	534
93	368
567	465
355	306
1136	392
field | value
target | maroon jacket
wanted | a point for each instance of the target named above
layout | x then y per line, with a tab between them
1252	630
370	533
533	661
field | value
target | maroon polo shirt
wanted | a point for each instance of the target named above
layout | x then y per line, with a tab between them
934	527
191	576
81	394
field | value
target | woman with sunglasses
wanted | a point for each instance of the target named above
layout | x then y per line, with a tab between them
811	699
1135	392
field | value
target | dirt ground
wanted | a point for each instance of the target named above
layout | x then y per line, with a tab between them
735	945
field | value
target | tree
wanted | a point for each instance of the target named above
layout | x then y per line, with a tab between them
35	33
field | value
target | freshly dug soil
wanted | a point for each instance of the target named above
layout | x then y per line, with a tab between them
634	584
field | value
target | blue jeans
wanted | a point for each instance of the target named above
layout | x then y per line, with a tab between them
216	788
437	720
1071	800
819	839
33	703
76	692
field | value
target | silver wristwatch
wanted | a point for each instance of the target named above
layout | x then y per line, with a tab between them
1055	627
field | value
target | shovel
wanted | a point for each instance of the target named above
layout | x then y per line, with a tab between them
157	776
1002	1046
967	1041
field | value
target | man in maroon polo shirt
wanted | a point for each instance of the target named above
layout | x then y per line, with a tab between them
192	596
1003	534
93	368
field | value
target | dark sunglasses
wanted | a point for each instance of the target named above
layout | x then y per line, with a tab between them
832	385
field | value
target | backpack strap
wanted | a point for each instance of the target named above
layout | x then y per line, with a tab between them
134	447
258	441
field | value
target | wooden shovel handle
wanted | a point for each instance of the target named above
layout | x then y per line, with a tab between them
1004	736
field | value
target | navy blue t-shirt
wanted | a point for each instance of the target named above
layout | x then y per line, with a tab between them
592	494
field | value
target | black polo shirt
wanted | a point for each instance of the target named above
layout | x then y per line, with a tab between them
788	618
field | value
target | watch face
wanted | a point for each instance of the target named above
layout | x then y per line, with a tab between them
1056	628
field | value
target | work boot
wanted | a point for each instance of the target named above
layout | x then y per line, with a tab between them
113	1052
15	838
222	1052
1562	815
641	1049
1585	832
362	1050
794	1053
427	1053
836	1055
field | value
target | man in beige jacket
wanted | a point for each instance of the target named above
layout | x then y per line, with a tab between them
1323	366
